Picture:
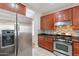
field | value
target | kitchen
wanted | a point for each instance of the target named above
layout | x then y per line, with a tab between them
57	32
39	29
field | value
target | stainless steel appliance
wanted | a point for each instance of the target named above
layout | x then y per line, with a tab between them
63	45
8	32
63	23
8	37
15	39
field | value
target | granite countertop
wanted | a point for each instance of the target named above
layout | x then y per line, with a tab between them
46	34
58	35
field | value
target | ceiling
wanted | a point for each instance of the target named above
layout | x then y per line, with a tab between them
47	7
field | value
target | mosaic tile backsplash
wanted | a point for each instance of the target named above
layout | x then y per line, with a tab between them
61	29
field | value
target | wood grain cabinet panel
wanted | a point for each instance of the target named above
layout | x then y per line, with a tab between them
76	18
46	42
47	22
8	6
12	7
75	51
41	42
21	9
49	43
50	21
43	23
64	15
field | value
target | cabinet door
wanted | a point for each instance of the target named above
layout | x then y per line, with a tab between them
43	23
75	49
8	6
41	41
47	22
12	7
64	15
58	16
49	43
21	9
76	17
50	22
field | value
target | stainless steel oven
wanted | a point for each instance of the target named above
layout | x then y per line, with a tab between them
63	46
8	37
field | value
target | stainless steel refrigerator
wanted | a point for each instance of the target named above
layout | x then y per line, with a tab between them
15	34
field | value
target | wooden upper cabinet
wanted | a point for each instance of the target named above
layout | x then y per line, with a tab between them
47	22
63	15
50	21
76	17
43	22
21	9
8	6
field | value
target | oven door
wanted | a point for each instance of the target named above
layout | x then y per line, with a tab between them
63	48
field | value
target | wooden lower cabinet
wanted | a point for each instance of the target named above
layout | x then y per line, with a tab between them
46	42
75	51
41	41
49	43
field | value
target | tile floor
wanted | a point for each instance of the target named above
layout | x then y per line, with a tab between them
37	51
